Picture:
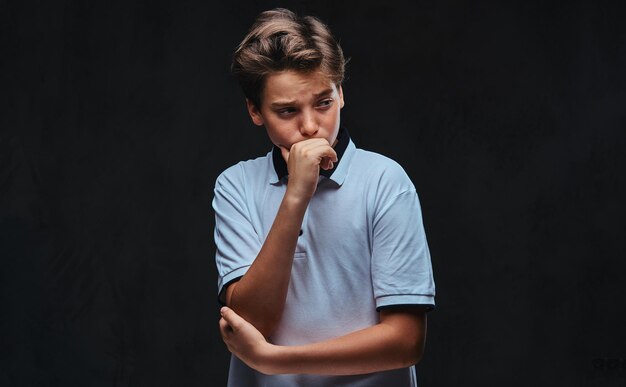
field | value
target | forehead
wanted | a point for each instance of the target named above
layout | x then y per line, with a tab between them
292	85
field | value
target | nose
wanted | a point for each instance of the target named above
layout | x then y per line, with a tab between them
308	125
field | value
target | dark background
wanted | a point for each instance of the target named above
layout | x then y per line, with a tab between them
509	117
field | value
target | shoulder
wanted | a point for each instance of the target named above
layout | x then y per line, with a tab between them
245	172
375	169
379	162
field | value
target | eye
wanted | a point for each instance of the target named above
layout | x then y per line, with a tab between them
325	103
286	111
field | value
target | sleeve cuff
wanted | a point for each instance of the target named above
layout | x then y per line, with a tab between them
229	278
425	300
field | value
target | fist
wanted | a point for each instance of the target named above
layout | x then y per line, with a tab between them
304	160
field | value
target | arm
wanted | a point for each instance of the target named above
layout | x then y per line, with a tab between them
397	341
259	296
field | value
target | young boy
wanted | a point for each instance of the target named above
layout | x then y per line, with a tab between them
321	253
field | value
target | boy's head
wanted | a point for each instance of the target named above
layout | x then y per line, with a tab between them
278	41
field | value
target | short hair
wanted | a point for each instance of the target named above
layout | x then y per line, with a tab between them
280	40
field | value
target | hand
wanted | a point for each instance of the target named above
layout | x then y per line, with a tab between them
243	339
304	160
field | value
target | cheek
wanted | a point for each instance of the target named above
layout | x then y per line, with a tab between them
333	117
281	132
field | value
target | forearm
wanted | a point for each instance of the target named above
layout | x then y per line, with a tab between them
259	296
377	348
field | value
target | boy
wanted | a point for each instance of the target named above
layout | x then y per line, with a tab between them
321	253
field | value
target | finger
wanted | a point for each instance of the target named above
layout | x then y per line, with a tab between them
329	154
317	148
326	163
231	318
225	329
327	151
333	156
321	148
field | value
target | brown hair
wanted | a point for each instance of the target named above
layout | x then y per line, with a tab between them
280	40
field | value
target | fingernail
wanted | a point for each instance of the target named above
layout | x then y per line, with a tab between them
222	310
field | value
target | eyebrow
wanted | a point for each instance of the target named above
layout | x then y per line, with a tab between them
292	102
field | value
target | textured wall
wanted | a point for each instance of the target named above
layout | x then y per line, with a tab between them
510	119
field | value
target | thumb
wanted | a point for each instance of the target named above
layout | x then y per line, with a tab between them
232	318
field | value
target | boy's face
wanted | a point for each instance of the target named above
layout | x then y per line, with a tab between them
298	106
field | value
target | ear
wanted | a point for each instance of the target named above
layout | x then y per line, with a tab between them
254	112
341	97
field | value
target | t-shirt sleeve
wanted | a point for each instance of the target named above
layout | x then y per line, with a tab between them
401	267
236	240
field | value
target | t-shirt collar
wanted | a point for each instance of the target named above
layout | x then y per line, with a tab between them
343	139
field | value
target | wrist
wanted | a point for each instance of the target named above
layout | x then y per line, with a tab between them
268	361
296	197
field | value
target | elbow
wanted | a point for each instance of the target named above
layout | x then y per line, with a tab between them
404	358
408	332
412	352
417	354
266	327
263	319
411	356
266	324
